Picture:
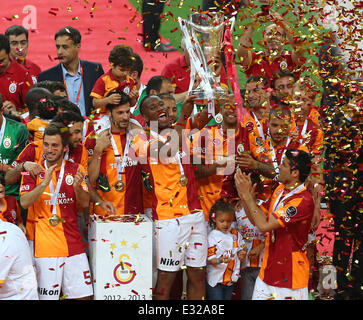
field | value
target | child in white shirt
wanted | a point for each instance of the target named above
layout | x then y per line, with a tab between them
226	249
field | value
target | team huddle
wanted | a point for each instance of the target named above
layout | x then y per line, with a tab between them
235	201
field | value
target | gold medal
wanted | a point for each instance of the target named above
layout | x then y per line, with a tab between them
119	185
183	180
54	220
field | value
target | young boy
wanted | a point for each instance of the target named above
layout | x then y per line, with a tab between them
117	78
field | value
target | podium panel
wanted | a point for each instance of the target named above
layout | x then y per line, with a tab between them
120	256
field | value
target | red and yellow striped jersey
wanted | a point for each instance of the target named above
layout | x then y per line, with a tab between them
11	210
108	83
170	198
128	200
64	239
285	263
34	152
212	144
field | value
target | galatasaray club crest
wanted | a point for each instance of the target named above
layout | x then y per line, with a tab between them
240	149
249	126
7	142
123	272
12	87
69	179
283	65
127	90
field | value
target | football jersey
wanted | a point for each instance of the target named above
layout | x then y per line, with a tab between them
108	83
261	64
14	140
36	127
224	244
33	69
11	211
129	199
65	239
15	82
311	135
17	276
268	151
170	199
34	152
285	263
212	144
251	235
314	115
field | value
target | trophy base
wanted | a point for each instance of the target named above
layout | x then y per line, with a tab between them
201	97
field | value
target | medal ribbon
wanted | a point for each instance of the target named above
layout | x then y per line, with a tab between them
120	165
2	130
54	193
274	158
259	127
279	203
177	156
303	131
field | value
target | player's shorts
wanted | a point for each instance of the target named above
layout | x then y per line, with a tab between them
181	240
263	291
70	276
31	246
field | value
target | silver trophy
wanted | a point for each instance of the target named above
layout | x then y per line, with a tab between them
202	36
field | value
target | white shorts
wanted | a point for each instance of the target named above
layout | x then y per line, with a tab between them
69	275
263	291
181	240
31	246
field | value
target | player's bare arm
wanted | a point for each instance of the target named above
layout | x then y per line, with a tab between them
253	211
29	198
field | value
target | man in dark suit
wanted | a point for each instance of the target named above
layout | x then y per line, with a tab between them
79	76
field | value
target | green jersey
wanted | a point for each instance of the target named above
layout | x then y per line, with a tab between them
14	136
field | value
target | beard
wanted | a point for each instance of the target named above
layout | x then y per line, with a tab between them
54	159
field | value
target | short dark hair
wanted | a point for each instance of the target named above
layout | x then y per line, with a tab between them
46	108
67	117
301	161
281	74
256	179
221	205
52	86
71	32
258	78
121	55
34	95
166	96
63	104
16	30
124	99
279	112
144	101
57	128
155	83
1	101
138	64
4	43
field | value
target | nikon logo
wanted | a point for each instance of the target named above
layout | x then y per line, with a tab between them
47	292
169	262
